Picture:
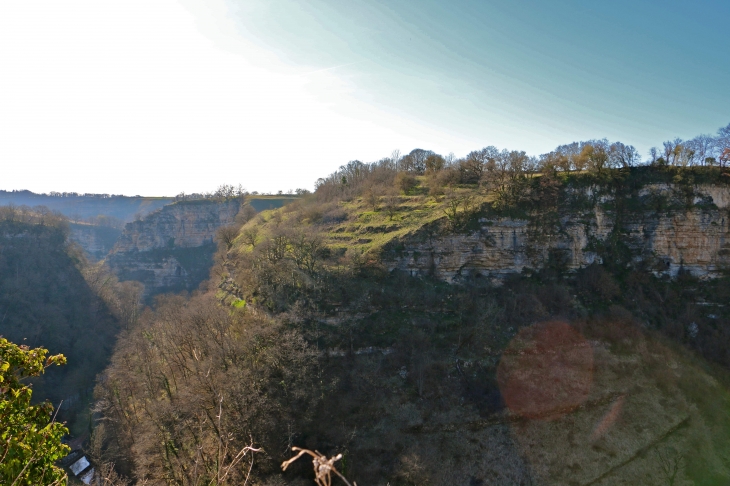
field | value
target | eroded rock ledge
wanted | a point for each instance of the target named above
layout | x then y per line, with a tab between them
696	239
172	248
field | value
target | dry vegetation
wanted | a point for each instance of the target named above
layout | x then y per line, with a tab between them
51	296
303	338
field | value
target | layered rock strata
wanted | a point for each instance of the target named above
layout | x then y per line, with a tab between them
185	224
172	248
696	239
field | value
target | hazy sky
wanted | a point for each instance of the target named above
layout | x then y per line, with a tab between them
155	97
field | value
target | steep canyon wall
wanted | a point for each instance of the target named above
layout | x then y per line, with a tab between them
695	238
172	248
96	241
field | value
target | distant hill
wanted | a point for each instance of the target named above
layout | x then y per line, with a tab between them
87	205
83	206
265	202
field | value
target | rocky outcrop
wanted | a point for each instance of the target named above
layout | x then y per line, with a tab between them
96	241
695	238
172	249
185	224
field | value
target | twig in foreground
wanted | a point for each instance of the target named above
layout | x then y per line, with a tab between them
323	466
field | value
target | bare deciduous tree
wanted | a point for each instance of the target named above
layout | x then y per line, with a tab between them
477	162
250	236
670	463
415	161
391	202
405	182
621	155
458	209
227	235
435	163
306	249
245	214
192	383
372	197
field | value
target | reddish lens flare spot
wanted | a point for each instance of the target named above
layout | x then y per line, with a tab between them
609	419
546	371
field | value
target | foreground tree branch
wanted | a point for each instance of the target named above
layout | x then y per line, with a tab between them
323	466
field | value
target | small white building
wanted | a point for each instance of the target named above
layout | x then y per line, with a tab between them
78	466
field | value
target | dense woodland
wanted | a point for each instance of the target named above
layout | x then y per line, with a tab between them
302	337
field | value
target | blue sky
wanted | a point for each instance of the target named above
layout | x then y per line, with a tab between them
533	73
168	96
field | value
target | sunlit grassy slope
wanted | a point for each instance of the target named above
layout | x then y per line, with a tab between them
356	225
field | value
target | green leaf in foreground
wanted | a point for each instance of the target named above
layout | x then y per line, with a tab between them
30	440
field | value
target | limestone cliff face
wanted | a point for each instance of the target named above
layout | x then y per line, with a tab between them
172	248
696	238
184	224
96	241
